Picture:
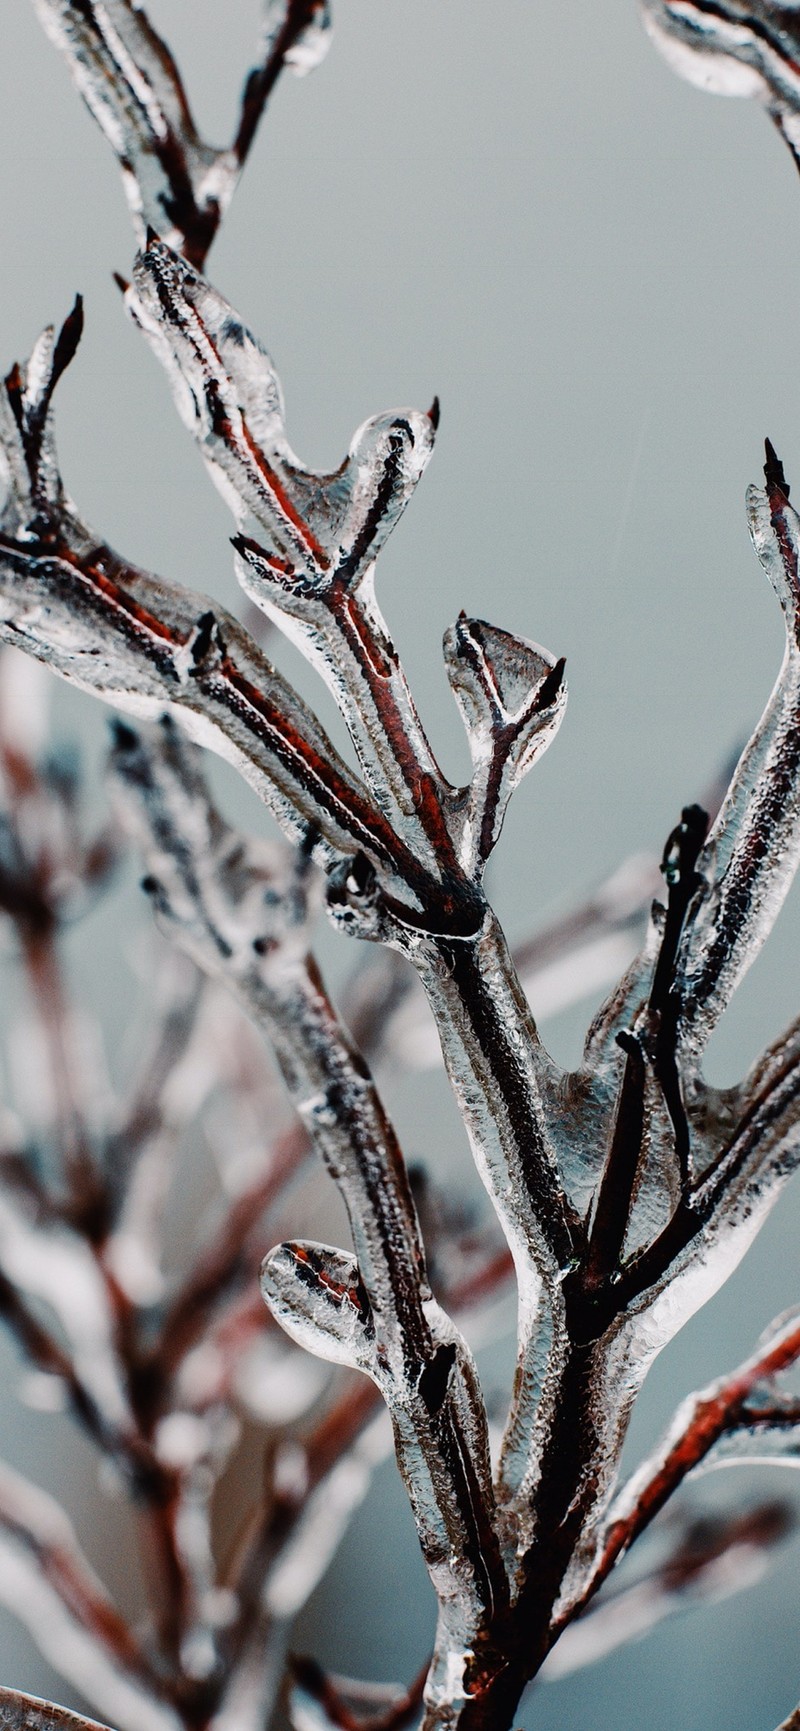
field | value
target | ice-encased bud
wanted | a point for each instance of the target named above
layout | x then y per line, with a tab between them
388	455
28	461
777	545
315	1292
512	695
504	684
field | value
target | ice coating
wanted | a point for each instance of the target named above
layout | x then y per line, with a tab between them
311	42
322	532
512	696
375	1313
734	48
175	183
625	1193
27	1713
752	852
70	601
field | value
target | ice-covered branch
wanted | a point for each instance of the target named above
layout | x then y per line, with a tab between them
20	1712
731	1409
712	1555
626	1192
242	914
322	531
316	575
735	48
745	1148
752	852
174	181
145	645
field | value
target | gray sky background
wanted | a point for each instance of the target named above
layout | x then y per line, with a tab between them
519	207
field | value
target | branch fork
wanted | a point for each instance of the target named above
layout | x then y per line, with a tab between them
626	1192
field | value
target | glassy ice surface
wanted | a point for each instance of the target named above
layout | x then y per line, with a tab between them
537	627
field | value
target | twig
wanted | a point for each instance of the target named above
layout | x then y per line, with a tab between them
174	181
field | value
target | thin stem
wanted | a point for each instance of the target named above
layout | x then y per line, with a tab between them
300	15
700	1423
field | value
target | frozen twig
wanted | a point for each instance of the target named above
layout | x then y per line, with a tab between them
240	914
746	866
626	1193
316	575
597	1294
174	181
711	1557
110	628
735	48
739	1408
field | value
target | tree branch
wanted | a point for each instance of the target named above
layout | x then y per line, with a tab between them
721	1409
174	182
753	849
227	904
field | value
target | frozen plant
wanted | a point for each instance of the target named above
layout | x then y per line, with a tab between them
625	1192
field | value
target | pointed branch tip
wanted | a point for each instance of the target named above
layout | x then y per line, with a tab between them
773	470
245	544
551	684
68	338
